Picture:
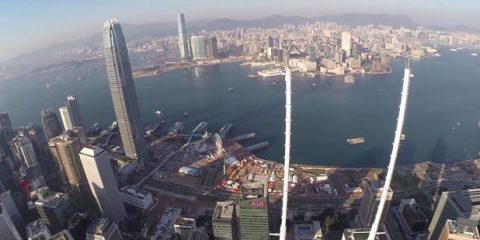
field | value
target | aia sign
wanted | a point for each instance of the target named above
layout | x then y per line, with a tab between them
257	204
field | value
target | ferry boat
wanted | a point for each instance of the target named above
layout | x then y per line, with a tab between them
474	54
402	137
358	140
230	89
453	49
271	72
274	83
185	114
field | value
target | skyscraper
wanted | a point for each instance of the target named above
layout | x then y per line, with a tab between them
66	119
123	92
372	192
224	222
103	229
253	212
102	182
7	228
54	208
212	47
7	179
51	125
65	149
347	43
74	111
199	47
453	205
6	131
182	37
24	150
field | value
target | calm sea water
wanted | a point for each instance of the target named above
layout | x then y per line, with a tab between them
442	117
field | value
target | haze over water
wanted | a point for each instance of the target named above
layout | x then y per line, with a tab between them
441	125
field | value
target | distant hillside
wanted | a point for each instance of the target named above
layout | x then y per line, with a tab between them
158	29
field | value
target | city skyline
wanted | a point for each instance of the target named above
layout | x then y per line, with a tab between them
48	30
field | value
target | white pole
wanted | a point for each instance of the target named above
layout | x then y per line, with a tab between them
286	166
393	156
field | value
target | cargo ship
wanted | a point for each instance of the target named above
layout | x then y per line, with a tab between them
358	140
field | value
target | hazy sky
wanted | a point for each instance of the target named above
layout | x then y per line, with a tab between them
26	25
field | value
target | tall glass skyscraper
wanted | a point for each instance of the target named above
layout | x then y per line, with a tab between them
74	111
51	125
123	92
182	37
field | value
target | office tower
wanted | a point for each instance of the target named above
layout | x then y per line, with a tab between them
66	119
286	57
252	211
8	180
103	229
74	111
38	230
137	197
14	207
224	222
123	92
354	51
372	192
199	47
102	182
54	208
7	228
65	149
212	47
184	227
347	43
407	221
51	125
24	151
182	37
311	54
453	205
460	229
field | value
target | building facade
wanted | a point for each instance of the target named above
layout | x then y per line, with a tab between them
253	214
199	47
372	192
74	111
122	89
66	119
224	221
7	228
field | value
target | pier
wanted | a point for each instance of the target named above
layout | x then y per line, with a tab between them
245	137
257	146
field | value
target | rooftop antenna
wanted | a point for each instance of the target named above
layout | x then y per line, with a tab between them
393	155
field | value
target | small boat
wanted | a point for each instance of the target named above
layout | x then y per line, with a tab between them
314	84
253	76
453	49
357	140
230	89
185	114
402	137
474	54
274	83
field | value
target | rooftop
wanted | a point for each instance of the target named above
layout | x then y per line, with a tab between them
137	192
183	221
362	234
36	228
49	198
464	227
99	226
224	210
253	190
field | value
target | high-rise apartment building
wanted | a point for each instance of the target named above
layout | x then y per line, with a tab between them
252	211
347	43
103	229
372	192
453	205
102	182
66	119
74	111
122	89
65	149
182	37
199	47
51	125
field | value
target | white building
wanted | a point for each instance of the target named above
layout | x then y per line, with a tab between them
66	119
25	150
7	228
101	180
136	197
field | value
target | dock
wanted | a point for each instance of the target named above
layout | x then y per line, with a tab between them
245	137
225	130
200	127
257	146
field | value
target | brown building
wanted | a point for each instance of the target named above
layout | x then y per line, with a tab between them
460	229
